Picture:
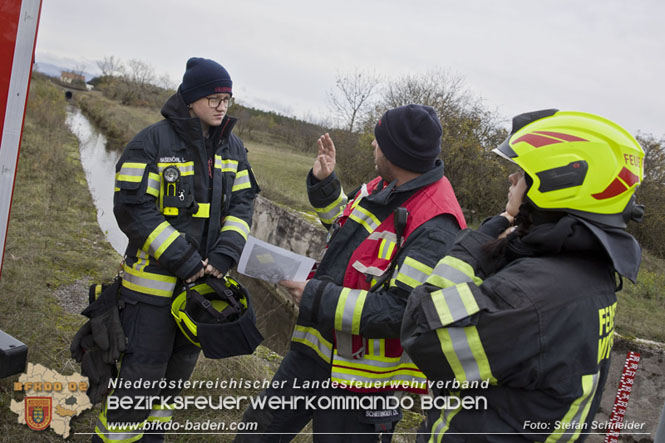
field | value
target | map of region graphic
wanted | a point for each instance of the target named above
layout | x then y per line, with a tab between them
66	391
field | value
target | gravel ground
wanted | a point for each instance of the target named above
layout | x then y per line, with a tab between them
74	297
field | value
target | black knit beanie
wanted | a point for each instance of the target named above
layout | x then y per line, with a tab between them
410	137
204	77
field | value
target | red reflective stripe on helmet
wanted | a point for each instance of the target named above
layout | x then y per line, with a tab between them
615	188
536	140
628	177
562	136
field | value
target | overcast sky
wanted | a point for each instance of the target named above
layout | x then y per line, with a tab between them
600	56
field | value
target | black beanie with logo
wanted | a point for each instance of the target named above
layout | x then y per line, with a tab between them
410	137
204	77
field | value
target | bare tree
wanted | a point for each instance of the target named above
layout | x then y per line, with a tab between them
165	81
110	66
140	73
352	97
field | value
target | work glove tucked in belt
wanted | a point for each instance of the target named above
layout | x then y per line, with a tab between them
105	324
100	342
93	364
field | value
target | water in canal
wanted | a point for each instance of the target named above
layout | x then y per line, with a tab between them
99	166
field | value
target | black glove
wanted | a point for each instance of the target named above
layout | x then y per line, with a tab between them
108	334
76	347
99	373
85	350
105	323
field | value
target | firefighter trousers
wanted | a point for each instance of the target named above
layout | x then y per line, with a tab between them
157	360
331	422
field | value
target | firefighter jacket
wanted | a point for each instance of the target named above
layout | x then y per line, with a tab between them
343	324
523	336
172	226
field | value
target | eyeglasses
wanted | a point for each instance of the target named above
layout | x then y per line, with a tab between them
214	102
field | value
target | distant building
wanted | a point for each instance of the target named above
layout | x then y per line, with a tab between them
70	77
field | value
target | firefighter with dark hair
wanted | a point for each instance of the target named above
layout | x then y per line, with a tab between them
384	239
526	304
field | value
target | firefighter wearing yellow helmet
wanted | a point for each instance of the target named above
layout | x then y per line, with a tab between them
521	312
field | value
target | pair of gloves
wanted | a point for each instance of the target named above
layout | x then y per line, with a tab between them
100	342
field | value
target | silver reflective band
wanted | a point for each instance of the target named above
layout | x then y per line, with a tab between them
449	273
148	283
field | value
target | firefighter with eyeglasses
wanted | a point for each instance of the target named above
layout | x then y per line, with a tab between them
184	196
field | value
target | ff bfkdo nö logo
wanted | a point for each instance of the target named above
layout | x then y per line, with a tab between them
38	412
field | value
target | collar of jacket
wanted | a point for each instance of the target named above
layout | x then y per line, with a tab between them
574	234
385	192
189	128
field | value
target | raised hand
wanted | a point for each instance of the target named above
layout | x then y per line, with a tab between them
325	160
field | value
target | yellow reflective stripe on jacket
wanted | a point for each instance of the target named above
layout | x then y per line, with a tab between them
329	214
412	273
570	426
365	218
131	172
153	184
186	168
241	181
226	165
372	374
231	223
312	338
160	239
148	282
349	310
454	303
450	271
386	249
441	426
142	260
465	354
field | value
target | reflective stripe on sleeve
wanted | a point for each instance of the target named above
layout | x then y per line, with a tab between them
312	338
412	273
160	239
465	354
349	310
329	213
131	172
241	181
236	224
453	304
452	271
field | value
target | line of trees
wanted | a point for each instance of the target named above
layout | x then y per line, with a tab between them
134	82
470	132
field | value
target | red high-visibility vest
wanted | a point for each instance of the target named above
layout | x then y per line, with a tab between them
372	365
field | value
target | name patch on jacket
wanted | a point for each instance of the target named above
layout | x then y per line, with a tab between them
172	160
